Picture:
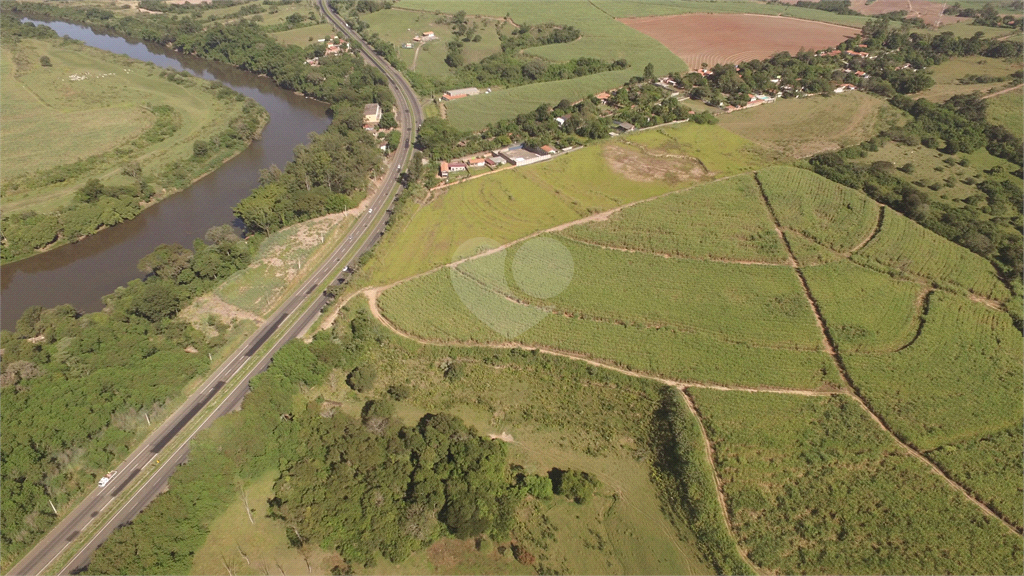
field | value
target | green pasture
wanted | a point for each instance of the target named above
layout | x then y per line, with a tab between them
91	104
301	36
948	74
1008	110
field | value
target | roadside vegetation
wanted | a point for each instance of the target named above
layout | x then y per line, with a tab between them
137	134
593	464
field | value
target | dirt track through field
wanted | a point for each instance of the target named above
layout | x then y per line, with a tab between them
732	38
372	294
852	391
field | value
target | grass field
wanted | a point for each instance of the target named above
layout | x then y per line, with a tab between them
603	38
801	127
866	311
821	210
903	245
920	390
814	486
948	74
723	220
518	202
967	29
933	167
1005	110
91	105
443	308
553	412
301	36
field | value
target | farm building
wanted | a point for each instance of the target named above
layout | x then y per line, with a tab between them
844	88
522	157
624	126
547	150
460	93
457	167
371	114
497	160
444	169
603	96
407	45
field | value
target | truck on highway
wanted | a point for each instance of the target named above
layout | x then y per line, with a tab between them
106	479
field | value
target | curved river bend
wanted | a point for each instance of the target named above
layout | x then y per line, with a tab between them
80	274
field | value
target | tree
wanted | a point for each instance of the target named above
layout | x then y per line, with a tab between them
200	148
649	71
45	61
361	379
166	261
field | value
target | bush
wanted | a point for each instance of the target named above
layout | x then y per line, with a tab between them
200	148
361	379
45	61
573	484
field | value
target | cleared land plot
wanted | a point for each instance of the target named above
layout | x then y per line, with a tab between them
903	245
814	486
828	213
929	11
301	36
866	311
92	105
436	308
1008	110
959	380
723	220
514	203
732	38
755	305
948	74
801	127
631	9
280	259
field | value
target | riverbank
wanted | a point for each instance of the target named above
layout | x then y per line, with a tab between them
74	113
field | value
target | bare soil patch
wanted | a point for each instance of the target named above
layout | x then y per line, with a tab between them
733	38
930	12
646	166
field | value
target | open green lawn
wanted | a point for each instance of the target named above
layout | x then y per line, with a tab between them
1008	110
814	486
948	74
802	127
967	29
92	104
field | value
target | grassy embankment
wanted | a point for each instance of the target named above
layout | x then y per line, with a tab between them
91	113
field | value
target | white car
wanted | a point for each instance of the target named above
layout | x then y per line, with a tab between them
106	479
371	211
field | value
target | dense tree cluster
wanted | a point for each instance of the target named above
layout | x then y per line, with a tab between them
327	175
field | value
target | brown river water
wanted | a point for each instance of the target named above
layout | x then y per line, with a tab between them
80	274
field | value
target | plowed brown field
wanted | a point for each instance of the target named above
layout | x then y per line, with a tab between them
732	38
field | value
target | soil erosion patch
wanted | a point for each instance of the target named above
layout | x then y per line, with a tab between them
716	38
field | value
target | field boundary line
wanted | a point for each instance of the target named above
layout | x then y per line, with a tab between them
873	233
855	393
675	256
372	294
709	453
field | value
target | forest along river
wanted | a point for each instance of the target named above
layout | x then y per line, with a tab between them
80	274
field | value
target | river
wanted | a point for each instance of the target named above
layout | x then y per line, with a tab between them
80	274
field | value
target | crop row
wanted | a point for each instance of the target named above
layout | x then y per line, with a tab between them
814	486
906	246
828	213
866	311
454	308
720	220
757	305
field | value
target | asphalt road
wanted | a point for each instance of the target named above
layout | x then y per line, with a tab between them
144	458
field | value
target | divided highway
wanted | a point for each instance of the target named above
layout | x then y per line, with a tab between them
289	321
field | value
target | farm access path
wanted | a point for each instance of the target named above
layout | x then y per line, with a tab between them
373	292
